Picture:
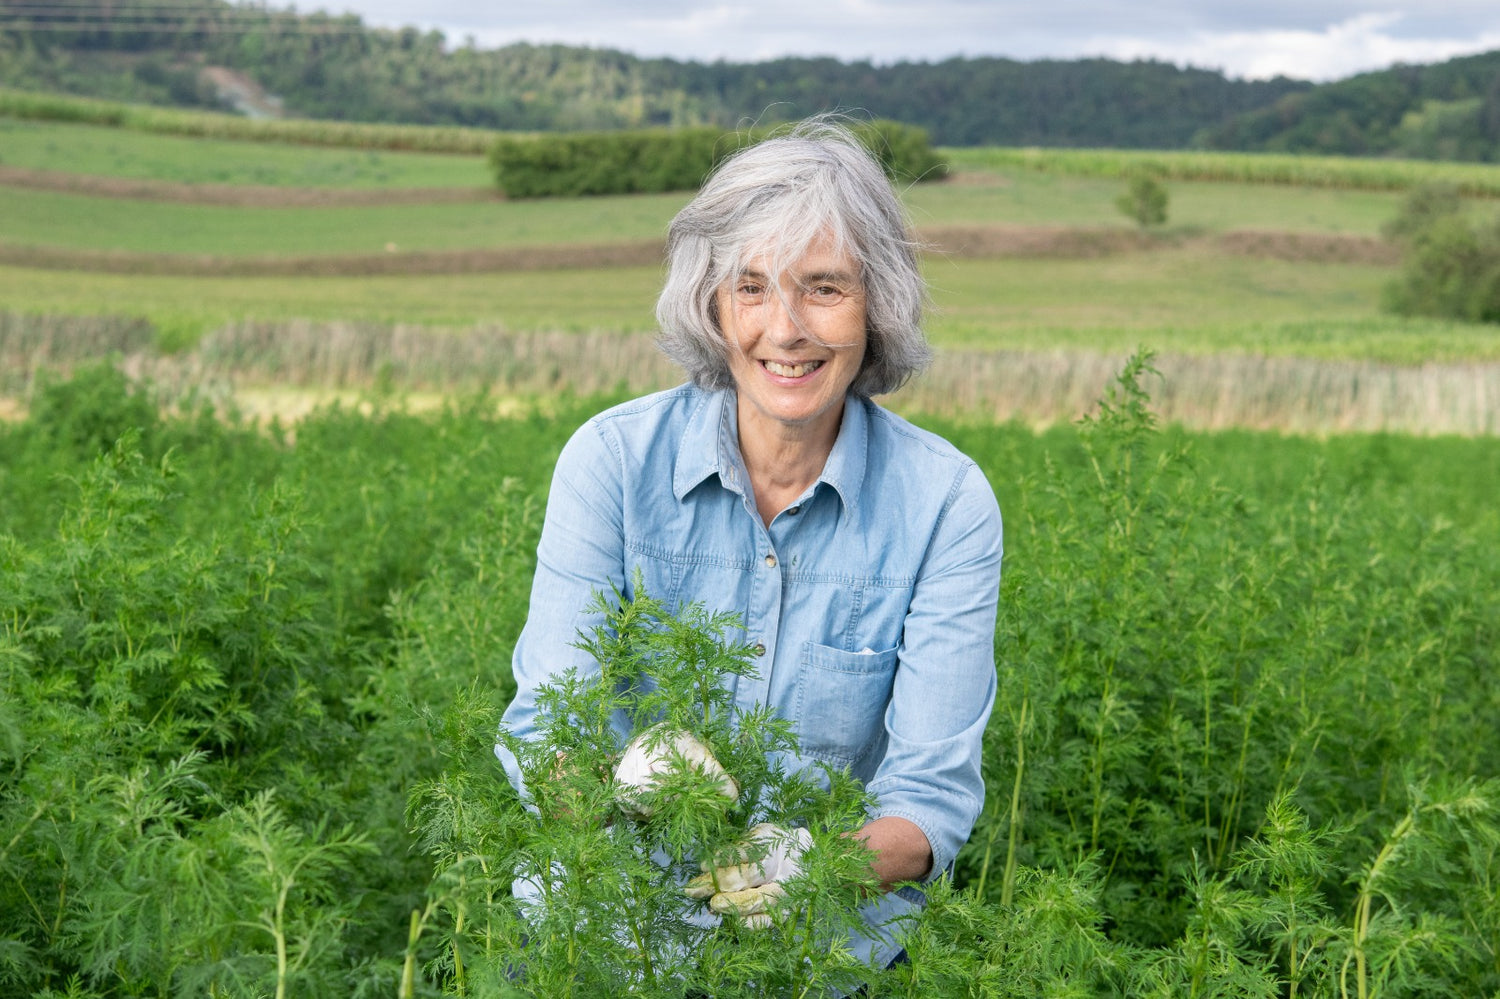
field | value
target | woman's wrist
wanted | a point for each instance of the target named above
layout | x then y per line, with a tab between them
901	850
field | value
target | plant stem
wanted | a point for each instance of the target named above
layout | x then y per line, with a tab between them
409	966
1008	884
1366	900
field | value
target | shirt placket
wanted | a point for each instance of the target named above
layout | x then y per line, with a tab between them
763	625
775	667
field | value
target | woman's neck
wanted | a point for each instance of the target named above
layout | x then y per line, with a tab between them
784	460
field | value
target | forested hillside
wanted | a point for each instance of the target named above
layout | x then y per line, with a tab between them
321	66
336	67
1449	111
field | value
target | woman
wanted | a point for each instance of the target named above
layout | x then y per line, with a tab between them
861	553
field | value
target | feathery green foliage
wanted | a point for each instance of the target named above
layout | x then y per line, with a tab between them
606	911
249	690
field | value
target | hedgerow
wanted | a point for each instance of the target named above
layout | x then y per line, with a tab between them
250	682
653	160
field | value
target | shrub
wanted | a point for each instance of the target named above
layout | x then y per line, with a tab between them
1450	264
585	163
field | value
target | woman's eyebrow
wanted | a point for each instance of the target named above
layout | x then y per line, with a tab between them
831	277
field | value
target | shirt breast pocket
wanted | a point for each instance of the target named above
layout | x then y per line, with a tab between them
839	714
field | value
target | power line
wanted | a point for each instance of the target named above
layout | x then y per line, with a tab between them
40	19
64	16
63	27
107	9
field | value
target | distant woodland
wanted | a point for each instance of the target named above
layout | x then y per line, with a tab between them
321	66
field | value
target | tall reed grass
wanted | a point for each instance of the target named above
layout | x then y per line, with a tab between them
1039	387
31	343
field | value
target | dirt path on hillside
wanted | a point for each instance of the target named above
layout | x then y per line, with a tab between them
237	195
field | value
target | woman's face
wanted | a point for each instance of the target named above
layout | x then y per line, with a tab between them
795	343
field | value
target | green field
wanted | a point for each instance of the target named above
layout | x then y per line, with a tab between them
1020	300
43	218
613	298
1181	291
38	218
1337	172
1032	198
982	193
119	152
1178	300
1239	674
251	670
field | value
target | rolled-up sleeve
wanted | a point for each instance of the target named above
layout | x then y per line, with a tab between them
581	553
944	686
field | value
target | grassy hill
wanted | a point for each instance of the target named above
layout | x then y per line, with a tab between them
241	261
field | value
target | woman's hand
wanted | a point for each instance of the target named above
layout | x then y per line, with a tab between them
658	751
750	884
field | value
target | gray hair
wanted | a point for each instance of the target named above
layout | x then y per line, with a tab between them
781	195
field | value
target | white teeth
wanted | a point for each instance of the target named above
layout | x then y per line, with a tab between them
792	370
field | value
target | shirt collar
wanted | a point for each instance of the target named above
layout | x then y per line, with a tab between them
710	445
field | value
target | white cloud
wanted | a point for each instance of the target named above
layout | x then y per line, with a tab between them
1307	39
1361	43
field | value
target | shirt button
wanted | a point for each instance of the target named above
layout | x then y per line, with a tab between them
770	561
792	511
759	648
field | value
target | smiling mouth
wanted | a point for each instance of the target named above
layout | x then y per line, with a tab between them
791	370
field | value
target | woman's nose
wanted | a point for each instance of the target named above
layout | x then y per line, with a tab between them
780	320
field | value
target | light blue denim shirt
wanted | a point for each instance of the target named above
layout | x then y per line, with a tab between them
872	595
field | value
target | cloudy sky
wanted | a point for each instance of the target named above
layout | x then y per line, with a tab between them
1309	39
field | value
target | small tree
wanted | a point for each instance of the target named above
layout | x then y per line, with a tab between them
1144	199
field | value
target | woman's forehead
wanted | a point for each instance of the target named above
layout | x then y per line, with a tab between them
823	255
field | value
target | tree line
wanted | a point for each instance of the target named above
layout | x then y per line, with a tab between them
336	67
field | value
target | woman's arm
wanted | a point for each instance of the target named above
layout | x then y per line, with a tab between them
944	686
902	852
581	553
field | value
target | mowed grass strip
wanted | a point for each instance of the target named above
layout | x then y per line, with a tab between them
616	298
40	218
51	219
980	301
1295	169
1037	198
1189	300
116	152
